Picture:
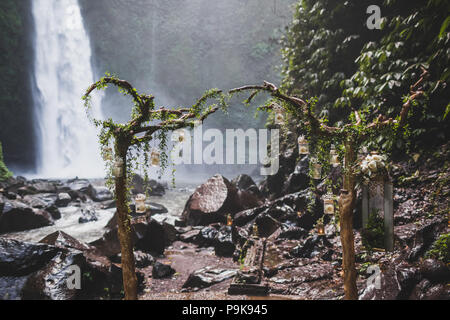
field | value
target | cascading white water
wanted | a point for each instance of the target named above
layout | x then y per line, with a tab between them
63	71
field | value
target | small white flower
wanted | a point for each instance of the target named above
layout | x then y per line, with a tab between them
373	166
377	157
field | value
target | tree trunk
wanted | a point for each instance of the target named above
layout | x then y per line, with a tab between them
347	202
124	229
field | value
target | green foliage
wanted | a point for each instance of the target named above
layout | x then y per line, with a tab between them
440	249
147	129
329	53
4	172
373	233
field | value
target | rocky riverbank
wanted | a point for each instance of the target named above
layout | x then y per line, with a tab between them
271	246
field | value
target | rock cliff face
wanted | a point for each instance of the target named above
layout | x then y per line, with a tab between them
17	129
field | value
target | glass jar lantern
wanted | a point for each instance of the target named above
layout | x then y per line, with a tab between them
328	203
140	203
155	158
320	229
118	169
303	146
316	169
279	118
255	231
107	154
334	158
178	136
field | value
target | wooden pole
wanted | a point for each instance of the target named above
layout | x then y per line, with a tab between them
347	202
124	225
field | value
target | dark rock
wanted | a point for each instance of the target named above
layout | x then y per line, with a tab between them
20	258
61	239
80	185
240	235
190	236
299	179
50	283
214	200
41	271
425	290
87	215
63	200
311	247
244	217
396	282
156	208
243	182
420	237
151	187
435	271
99	194
148	235
46	201
161	271
111	204
207	236
43	186
207	277
292	232
17	216
266	225
223	244
141	259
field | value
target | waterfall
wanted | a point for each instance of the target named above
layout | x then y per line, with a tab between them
63	71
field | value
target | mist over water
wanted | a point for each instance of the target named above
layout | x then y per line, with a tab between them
68	144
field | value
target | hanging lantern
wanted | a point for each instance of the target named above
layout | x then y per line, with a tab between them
320	229
328	203
229	220
140	203
107	154
279	118
117	170
255	231
334	158
303	146
155	158
316	169
178	136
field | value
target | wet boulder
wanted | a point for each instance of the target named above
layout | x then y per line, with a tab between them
151	187
147	234
61	239
396	282
207	277
266	225
223	244
161	271
99	194
141	259
435	271
211	202
87	215
17	216
299	179
63	200
207	235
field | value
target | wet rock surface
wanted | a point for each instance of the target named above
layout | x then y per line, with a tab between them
215	199
202	259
